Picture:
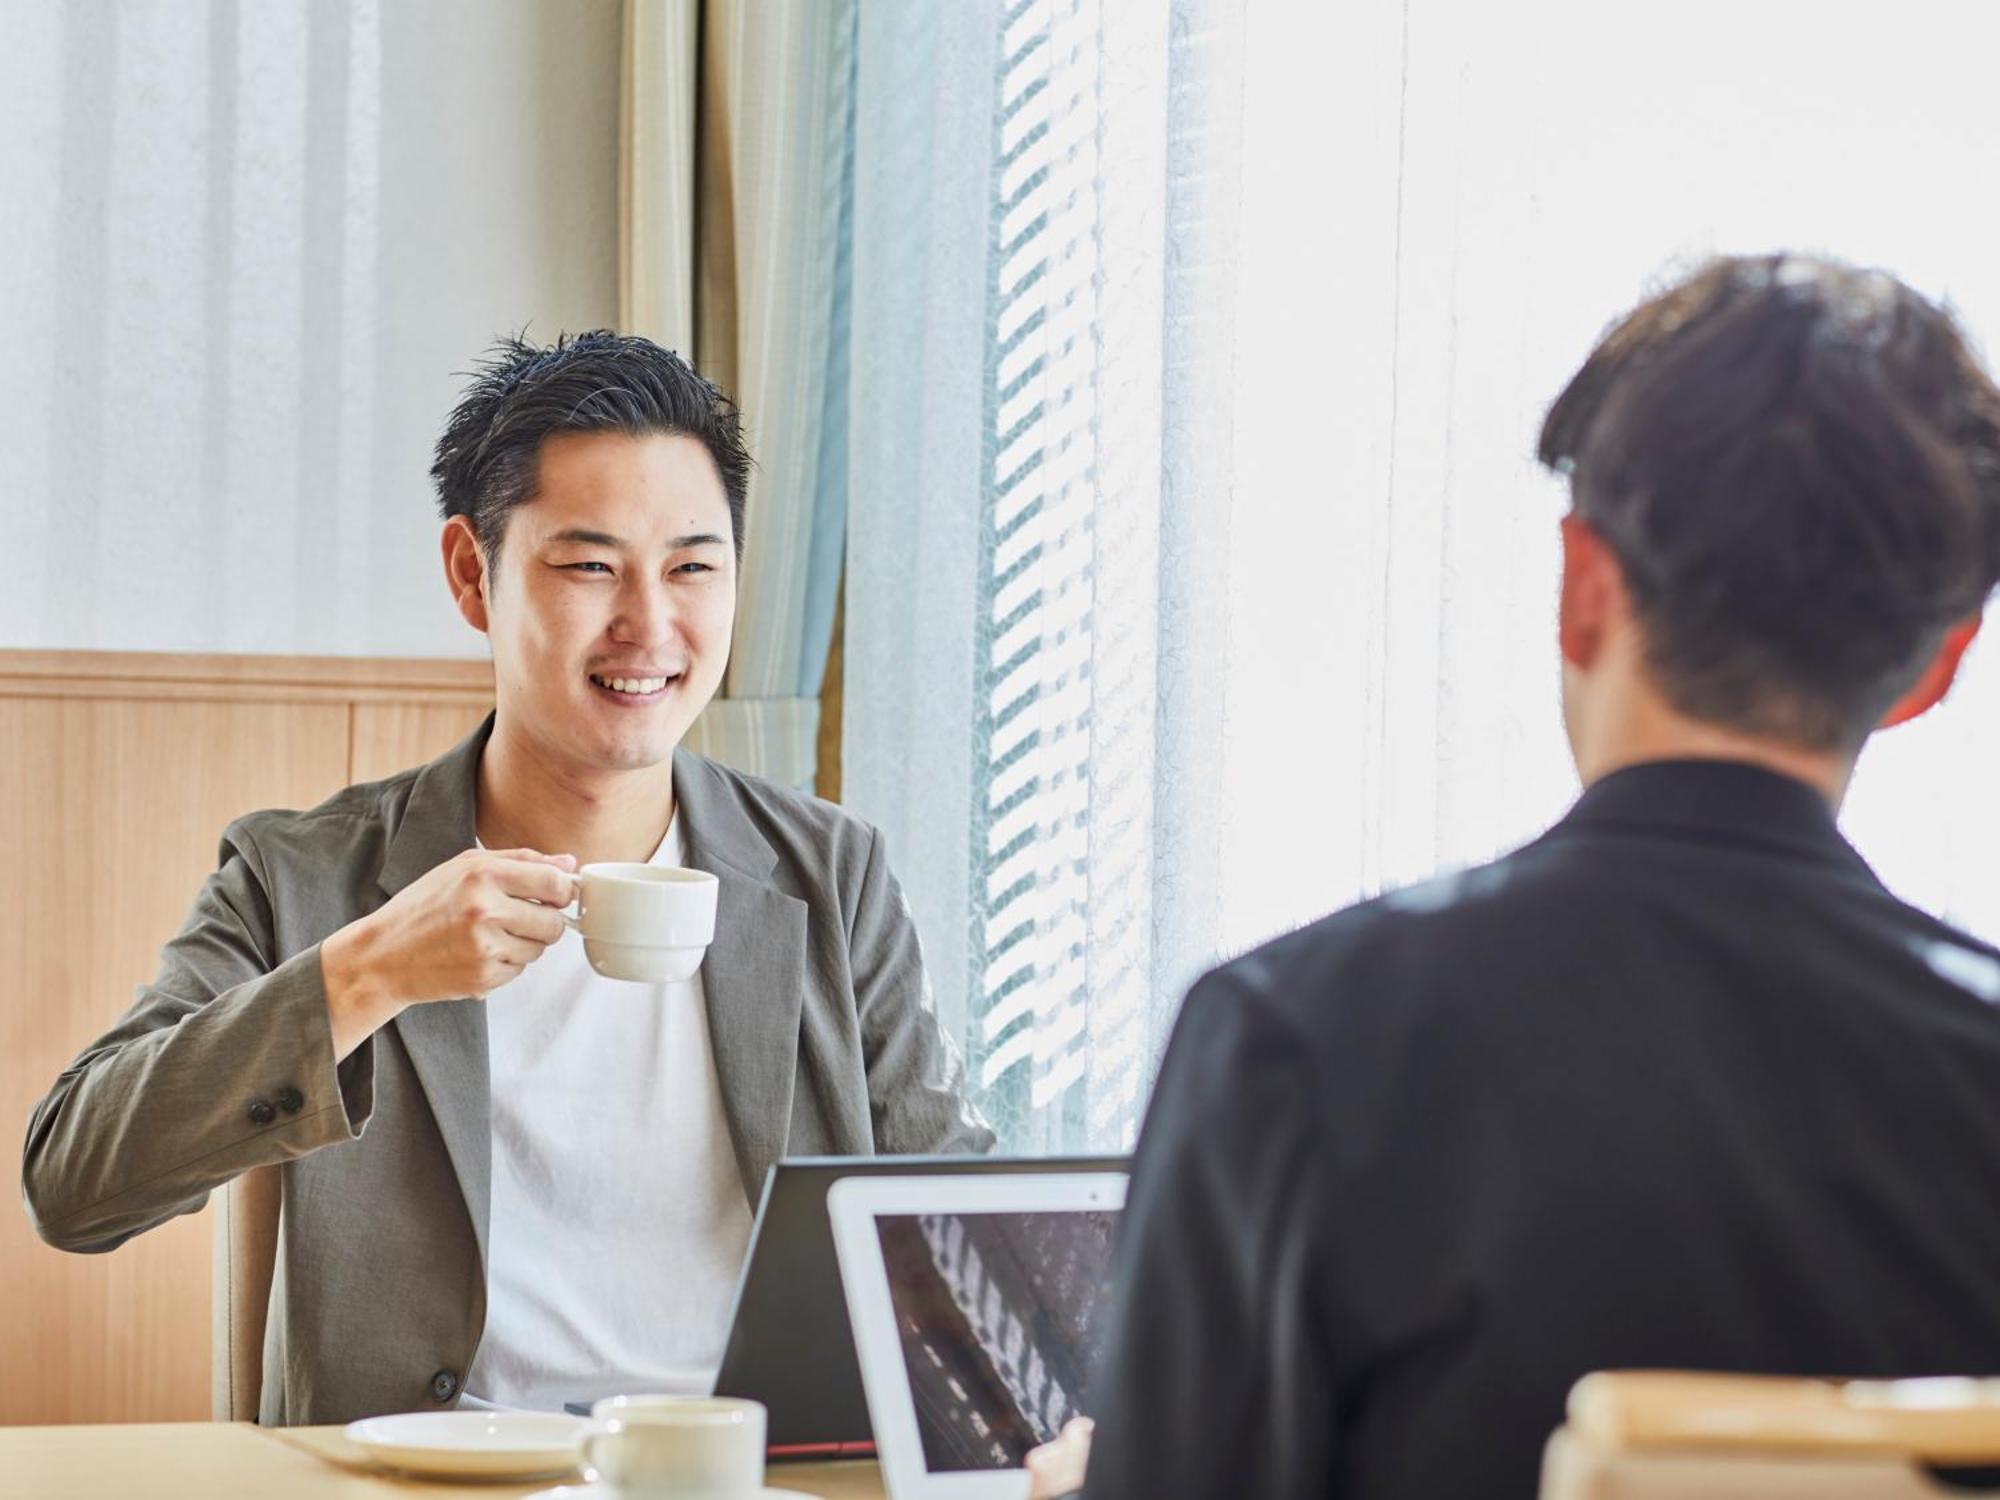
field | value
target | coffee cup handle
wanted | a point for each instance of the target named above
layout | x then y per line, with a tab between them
594	1434
571	919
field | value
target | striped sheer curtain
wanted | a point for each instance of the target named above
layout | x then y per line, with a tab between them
1200	578
1043	213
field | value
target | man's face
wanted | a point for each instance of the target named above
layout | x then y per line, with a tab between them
611	606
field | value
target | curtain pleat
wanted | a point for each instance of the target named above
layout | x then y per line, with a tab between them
738	173
656	178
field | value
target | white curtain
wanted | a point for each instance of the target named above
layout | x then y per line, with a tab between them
1202	580
735	192
1444	205
248	248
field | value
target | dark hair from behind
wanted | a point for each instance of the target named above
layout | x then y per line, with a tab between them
489	457
1797	464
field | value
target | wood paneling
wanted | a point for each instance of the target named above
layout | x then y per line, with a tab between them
388	738
115	807
114	788
243	679
833	702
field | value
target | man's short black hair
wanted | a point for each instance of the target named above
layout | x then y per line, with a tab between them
1797	464
488	459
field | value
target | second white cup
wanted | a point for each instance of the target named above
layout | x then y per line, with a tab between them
678	1447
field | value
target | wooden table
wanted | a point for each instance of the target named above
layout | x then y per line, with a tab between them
202	1460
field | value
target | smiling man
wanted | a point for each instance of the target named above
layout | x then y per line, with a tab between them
508	1181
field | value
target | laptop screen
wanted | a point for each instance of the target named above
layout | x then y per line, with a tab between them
1000	1316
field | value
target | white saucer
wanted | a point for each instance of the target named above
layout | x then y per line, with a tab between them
474	1444
605	1492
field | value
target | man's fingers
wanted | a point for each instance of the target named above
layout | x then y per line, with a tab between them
533	881
516	952
531	857
540	925
1058	1467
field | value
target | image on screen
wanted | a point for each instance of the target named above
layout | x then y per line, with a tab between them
1000	1316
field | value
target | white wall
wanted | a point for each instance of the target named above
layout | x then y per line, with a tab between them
244	246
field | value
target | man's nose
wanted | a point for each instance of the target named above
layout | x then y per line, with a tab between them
646	614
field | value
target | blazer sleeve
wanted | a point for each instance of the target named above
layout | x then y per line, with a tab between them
916	1082
1214	1379
190	1088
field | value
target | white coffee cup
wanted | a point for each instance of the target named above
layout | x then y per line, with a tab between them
677	1447
650	923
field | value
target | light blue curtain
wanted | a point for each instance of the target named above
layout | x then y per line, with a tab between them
1042	230
925	90
771	313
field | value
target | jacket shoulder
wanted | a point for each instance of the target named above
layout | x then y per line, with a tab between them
362	815
1416	948
803	829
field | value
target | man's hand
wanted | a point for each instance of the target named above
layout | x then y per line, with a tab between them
465	928
1056	1468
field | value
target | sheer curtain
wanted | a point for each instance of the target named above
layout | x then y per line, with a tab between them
735	167
1031	382
1202	581
246	250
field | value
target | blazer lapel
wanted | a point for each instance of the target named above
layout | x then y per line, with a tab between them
446	1039
753	976
754	973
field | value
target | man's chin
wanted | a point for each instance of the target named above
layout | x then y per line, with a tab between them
637	754
629	748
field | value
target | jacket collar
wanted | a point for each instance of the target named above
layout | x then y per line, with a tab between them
714	822
753	976
440	817
755	973
1719	801
446	1040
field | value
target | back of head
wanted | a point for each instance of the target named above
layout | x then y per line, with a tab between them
1797	464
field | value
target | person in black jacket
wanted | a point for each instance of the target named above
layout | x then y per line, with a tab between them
1679	1084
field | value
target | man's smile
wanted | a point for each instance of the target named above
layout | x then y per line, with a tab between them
634	687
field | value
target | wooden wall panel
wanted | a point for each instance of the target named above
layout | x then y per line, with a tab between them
833	702
392	737
112	810
118	773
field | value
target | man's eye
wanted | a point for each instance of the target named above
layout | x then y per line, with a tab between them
694	567
581	567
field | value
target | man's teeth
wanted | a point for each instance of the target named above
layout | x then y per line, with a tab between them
632	684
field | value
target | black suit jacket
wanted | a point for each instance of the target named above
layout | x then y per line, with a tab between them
1678	1085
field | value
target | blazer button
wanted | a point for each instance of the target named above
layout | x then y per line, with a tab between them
290	1100
444	1385
261	1112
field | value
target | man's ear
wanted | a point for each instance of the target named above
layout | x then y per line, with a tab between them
465	571
1929	689
1593	592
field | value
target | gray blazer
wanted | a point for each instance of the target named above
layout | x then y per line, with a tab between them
825	1042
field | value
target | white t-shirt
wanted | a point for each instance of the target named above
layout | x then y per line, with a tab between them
618	1221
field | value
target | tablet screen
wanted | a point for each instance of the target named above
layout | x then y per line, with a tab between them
1000	1316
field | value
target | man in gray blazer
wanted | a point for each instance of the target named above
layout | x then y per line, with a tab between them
506	1180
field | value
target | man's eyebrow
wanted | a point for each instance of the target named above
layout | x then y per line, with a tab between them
605	539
